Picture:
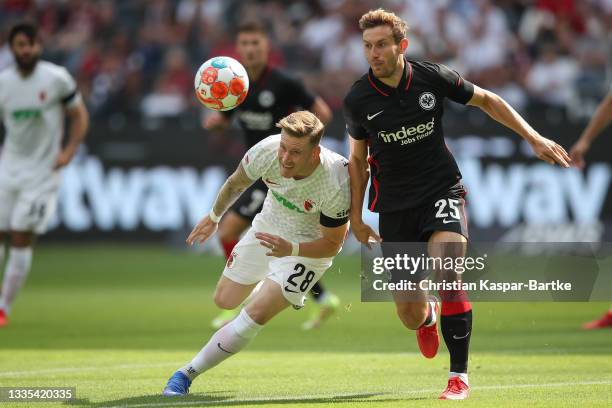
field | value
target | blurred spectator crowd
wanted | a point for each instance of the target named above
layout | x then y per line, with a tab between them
137	58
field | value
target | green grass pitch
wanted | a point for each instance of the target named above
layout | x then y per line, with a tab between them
116	321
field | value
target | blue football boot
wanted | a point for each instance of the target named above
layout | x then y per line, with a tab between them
178	384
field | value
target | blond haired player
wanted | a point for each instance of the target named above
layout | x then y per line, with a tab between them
273	94
291	243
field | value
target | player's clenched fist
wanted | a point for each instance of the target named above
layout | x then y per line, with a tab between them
201	232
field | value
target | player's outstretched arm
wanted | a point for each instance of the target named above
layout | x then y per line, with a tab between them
327	246
601	119
498	109
79	123
322	110
229	193
358	172
215	122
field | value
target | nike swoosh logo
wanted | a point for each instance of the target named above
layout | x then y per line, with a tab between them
449	221
222	349
462	337
370	117
289	290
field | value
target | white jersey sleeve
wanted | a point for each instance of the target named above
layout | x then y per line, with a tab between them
67	89
261	157
335	208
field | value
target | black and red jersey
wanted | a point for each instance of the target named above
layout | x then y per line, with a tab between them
409	161
273	96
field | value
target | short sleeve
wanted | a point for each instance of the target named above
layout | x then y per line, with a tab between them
335	210
68	92
258	158
354	128
298	94
455	87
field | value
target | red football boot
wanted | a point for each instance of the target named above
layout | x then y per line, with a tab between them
3	318
428	337
604	321
456	390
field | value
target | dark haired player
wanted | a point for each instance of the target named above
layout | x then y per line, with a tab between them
272	95
34	98
395	111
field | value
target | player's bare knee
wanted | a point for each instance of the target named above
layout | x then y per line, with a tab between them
231	227
445	244
227	235
223	301
21	239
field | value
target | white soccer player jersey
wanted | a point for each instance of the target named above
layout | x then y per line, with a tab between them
31	109
297	208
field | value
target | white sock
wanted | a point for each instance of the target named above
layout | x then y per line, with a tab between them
434	317
2	249
15	274
463	376
227	341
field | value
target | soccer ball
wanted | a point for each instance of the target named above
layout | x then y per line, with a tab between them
221	83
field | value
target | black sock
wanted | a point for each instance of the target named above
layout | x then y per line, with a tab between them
317	291
457	330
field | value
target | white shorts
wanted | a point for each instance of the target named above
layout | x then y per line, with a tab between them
27	207
249	264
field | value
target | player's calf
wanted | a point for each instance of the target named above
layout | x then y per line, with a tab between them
268	302
412	314
231	228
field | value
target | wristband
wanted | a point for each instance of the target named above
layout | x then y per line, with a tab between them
214	217
295	248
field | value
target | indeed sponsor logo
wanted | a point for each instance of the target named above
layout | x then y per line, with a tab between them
408	135
256	120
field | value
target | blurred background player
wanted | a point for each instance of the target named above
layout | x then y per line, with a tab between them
272	95
600	120
288	248
34	96
394	113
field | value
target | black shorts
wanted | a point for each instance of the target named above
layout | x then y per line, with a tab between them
445	213
250	203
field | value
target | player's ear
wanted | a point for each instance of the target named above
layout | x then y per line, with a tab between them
403	45
315	151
